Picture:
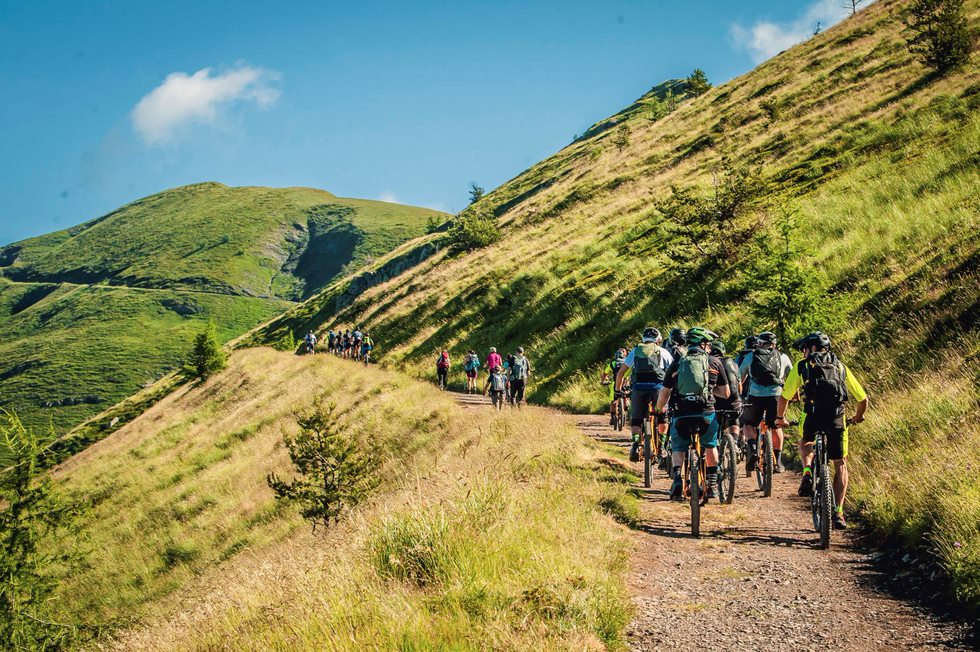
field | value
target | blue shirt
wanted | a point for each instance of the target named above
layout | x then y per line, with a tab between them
785	366
666	358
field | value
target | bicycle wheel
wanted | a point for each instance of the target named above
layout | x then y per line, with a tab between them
621	416
726	469
763	467
825	505
694	487
647	456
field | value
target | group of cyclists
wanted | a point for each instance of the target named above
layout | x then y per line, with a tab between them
506	379
688	384
352	345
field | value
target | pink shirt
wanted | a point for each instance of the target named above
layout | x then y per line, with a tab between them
493	360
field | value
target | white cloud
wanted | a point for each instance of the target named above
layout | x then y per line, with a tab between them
201	98
389	197
765	39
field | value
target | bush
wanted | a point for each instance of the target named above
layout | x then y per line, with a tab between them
207	357
622	138
285	342
473	231
938	33
334	472
697	83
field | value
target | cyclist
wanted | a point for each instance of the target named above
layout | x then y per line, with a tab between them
691	384
678	342
472	367
826	385
356	339
764	370
608	376
442	369
497	386
367	345
519	368
345	344
731	406
331	340
648	363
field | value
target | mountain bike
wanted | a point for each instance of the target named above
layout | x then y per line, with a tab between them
727	468
366	357
622	408
648	450
694	475
766	462
822	500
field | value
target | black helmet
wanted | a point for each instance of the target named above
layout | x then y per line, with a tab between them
718	348
766	337
750	343
678	336
651	334
814	339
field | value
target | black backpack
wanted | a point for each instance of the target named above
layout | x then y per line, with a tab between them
824	383
766	367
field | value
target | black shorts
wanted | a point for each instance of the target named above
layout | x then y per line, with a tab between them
640	400
517	390
836	430
757	410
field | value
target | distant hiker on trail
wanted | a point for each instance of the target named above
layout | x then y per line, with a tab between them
497	387
331	341
472	368
494	360
519	368
367	345
442	370
310	343
357	339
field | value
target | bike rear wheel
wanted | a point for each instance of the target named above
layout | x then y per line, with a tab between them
647	456
764	465
726	470
695	488
824	504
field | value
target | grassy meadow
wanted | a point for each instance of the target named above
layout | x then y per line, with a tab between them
877	160
487	530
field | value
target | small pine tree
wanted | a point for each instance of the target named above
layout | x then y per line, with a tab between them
658	109
937	31
476	193
207	356
334	471
622	138
473	230
697	83
36	527
432	224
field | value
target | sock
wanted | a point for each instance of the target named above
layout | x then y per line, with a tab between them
753	446
779	455
711	474
806	470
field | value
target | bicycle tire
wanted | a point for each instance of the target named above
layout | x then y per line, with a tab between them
764	465
825	506
726	470
647	455
695	488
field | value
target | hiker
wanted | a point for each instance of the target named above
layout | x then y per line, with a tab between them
442	369
472	368
493	359
497	387
519	368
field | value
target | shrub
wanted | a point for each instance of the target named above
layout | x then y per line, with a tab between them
622	138
697	83
285	342
473	230
207	357
432	224
476	193
334	473
938	33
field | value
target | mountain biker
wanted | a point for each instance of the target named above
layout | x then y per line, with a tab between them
648	362
497	386
732	405
765	370
310	342
826	385
356	340
691	384
345	344
494	360
678	343
331	340
472	368
608	376
442	369
367	345
519	370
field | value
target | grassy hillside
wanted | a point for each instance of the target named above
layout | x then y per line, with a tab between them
874	159
90	314
189	550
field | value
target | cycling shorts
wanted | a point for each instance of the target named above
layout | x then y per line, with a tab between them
757	410
681	429
640	400
836	429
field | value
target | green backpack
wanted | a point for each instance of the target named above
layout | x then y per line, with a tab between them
692	378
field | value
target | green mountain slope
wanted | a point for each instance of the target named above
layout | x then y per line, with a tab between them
90	314
876	161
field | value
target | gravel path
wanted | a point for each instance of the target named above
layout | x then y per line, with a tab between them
755	580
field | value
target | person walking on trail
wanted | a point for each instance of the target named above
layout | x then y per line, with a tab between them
691	385
310	343
826	385
765	369
609	377
331	341
442	370
648	363
356	340
472	368
494	360
519	370
497	387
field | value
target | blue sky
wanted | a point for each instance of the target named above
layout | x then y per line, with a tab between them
105	102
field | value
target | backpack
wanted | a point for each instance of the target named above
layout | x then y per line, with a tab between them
824	383
647	364
471	362
498	382
693	387
766	367
731	372
443	362
518	368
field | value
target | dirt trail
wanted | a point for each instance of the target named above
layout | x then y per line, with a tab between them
756	580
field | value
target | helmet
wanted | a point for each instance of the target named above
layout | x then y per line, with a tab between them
520	349
750	343
678	336
815	339
718	347
620	354
651	334
766	337
698	335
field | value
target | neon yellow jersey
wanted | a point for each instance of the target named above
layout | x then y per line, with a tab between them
794	382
